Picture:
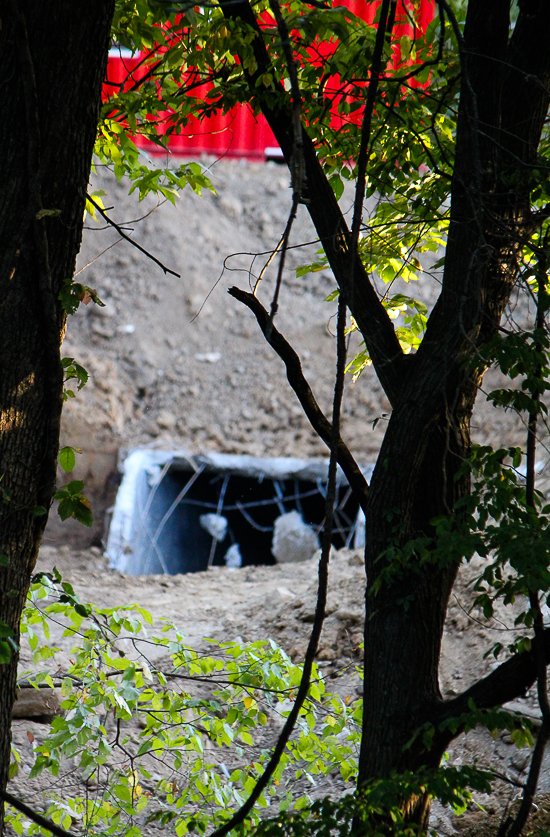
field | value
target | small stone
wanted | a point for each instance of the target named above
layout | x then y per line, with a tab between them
232	206
208	357
233	559
215	524
166	420
40	705
350	617
520	761
326	653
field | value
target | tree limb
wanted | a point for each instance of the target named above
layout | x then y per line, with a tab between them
297	381
34	815
369	313
320	606
509	681
126	237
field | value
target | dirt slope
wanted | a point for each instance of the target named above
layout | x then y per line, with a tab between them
176	361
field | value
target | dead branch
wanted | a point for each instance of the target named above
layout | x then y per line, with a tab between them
297	381
126	237
322	589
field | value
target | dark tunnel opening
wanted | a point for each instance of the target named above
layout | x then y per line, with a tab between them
250	506
169	514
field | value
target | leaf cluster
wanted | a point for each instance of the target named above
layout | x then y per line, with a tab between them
192	703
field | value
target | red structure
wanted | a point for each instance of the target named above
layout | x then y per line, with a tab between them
234	134
237	133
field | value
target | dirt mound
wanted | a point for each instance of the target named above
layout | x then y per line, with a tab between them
176	361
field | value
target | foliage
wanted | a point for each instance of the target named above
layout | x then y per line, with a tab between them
370	805
192	712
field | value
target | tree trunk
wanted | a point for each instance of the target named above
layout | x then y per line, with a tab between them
504	100
52	63
428	434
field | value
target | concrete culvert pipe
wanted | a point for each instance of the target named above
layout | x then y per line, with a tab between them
177	512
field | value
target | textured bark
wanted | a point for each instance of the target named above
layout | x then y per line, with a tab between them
52	63
428	433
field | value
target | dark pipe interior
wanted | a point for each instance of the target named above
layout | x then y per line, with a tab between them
251	506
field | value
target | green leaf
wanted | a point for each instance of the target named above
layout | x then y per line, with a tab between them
67	458
38	511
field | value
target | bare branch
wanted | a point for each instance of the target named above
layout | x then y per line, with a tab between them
34	815
297	381
126	237
322	588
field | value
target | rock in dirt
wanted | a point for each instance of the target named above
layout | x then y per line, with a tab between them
233	558
293	540
37	704
215	524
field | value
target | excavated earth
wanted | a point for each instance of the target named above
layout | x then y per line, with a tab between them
174	361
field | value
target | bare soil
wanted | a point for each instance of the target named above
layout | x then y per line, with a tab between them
174	361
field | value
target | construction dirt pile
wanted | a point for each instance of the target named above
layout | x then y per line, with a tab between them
175	361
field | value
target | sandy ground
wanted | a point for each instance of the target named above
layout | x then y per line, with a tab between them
278	602
176	361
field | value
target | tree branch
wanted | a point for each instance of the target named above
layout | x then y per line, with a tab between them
509	681
369	313
330	501
34	815
297	381
126	237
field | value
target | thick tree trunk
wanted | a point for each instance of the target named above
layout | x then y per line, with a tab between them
428	434
52	63
505	75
